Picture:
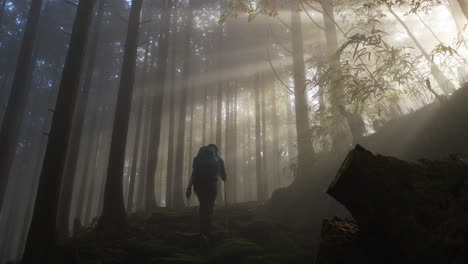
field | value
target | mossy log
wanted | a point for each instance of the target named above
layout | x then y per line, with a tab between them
412	212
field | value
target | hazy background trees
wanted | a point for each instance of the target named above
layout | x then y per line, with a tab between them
155	80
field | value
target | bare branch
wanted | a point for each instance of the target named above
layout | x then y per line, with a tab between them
288	89
71	3
312	7
146	21
124	19
65	32
310	16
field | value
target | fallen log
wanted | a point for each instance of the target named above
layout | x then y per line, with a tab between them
407	212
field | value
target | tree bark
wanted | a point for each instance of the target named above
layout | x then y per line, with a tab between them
304	140
258	142
163	48
180	147
76	136
170	150
205	106
136	146
2	10
114	219
265	157
275	157
227	140
16	106
41	236
234	147
337	94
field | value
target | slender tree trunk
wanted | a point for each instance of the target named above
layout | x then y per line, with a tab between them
304	141
258	142
212	117
265	158
136	146
74	150
170	151
227	141
163	48
114	219
2	10
190	137
41	236
92	181
12	119
219	99
140	205
289	132
89	149
234	159
332	47
275	157
250	169
178	195
444	83
205	106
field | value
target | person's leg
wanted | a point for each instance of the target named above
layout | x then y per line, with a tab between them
203	209
210	203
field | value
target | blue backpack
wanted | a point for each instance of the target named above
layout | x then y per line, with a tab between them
206	165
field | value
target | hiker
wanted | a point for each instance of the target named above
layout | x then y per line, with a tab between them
355	124
208	166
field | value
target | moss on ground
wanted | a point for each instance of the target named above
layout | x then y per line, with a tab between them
240	235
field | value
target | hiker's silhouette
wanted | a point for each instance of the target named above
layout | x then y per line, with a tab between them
208	167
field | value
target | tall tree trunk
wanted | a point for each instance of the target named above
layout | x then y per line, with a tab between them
114	219
212	117
444	83
219	97
258	142
156	116
90	149
91	188
234	158
180	147
136	146
289	132
140	205
205	106
336	95
250	169
190	136
41	236
265	158
170	150
332	48
12	119
227	141
76	136
2	10
275	157
304	141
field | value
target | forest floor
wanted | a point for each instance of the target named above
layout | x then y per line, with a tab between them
241	234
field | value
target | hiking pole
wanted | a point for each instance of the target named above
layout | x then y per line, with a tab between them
226	220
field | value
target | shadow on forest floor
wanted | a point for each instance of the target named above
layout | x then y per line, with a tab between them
241	234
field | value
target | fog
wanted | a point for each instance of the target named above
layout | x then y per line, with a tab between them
104	104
